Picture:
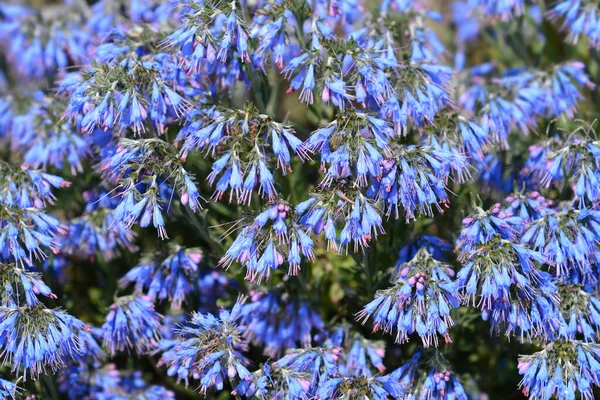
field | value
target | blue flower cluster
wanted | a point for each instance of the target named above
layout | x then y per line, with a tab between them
579	18
419	302
210	348
503	279
131	324
108	383
171	278
279	324
332	135
560	370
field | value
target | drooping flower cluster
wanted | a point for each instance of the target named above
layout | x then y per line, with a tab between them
361	217
428	375
482	226
279	323
517	98
579	313
578	18
171	278
210	347
267	240
419	302
108	383
96	231
573	164
248	146
43	46
504	280
37	338
131	324
20	286
142	169
561	369
569	240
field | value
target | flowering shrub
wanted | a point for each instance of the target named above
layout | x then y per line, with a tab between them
290	199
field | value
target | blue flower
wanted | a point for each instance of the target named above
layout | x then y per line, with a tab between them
96	231
356	136
9	390
470	137
144	170
563	90
28	188
579	18
419	302
579	313
482	226
19	284
43	46
428	375
437	247
317	362
243	143
505	9
131	324
25	233
528	206
108	383
266	240
36	338
379	388
416	178
171	278
360	356
558	162
561	369
273	382
569	240
504	281
278	323
208	34
210	346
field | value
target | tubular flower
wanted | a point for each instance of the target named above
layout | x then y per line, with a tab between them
420	301
561	369
503	280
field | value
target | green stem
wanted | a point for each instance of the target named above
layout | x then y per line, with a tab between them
272	105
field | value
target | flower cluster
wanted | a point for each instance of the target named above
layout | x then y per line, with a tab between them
360	356
578	18
579	313
430	376
171	278
36	338
504	280
315	145
144	170
246	144
569	240
266	240
210	347
419	302
96	231
131	324
279	323
561	369
108	383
